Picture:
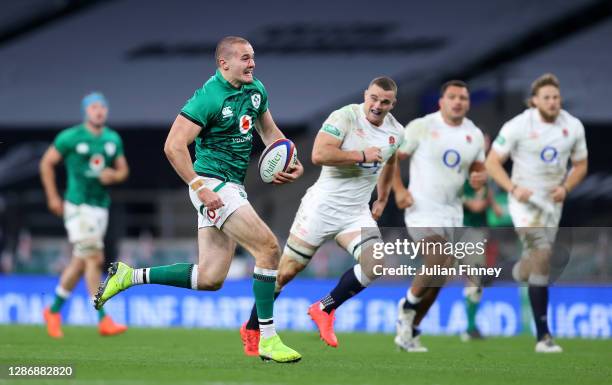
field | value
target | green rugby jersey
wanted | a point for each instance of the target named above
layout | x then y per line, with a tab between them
469	218
85	156
227	116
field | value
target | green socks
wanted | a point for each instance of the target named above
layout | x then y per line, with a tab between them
61	295
179	275
264	282
101	314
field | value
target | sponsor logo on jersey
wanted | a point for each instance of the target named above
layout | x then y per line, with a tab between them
435	134
256	100
533	135
110	148
82	148
227	112
246	122
96	163
391	140
549	154
451	158
331	130
243	139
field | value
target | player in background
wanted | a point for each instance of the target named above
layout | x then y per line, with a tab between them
540	141
356	149
94	159
445	150
221	117
476	203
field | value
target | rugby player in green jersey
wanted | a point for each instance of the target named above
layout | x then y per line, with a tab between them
93	155
220	117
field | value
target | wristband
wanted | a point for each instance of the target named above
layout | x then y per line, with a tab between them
364	157
196	183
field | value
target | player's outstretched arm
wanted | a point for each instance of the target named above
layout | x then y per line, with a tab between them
267	128
383	187
326	152
574	177
403	198
117	174
47	176
182	133
495	169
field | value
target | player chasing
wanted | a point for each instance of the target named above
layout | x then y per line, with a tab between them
475	206
220	117
540	141
356	149
445	150
94	159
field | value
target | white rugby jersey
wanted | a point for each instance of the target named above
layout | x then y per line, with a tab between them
540	151
352	185
440	160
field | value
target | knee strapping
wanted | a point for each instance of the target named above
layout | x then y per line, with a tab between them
298	253
357	245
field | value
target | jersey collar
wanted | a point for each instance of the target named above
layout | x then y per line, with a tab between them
225	83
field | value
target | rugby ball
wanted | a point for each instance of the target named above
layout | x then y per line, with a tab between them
279	156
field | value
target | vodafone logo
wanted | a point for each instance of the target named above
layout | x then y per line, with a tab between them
245	124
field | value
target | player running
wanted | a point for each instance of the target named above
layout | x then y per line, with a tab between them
220	117
94	159
445	150
540	141
356	147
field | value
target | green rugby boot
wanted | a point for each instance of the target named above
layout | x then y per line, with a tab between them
274	349
119	278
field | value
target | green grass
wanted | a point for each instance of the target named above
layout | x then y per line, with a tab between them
195	356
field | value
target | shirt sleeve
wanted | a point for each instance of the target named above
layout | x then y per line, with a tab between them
263	107
198	108
480	157
337	124
579	150
413	132
119	144
62	143
506	139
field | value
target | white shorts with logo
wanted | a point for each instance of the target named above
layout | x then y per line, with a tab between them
85	223
535	226
233	196
318	220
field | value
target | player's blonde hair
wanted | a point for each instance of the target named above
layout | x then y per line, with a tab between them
547	79
224	46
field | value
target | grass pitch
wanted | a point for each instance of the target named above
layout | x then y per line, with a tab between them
195	356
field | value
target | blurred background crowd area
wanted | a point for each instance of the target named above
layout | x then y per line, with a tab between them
148	57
